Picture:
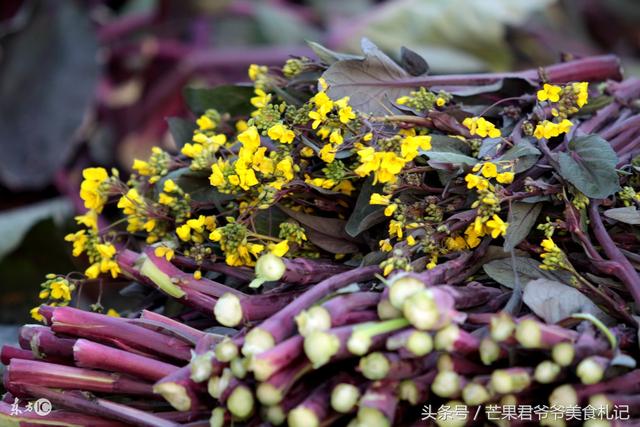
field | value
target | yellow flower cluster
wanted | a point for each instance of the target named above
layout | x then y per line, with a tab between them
386	165
195	230
92	191
487	221
240	174
552	257
156	167
481	127
547	129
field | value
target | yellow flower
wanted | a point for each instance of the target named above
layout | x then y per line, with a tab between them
379	199
385	245
505	177
285	168
90	191
106	250
169	186
165	199
411	241
93	271
582	89
217	177
307	152
317	119
497	226
245	177
548	244
547	129
389	210
489	170
205	123
35	314
256	71
328	153
345	113
197	274
191	150
403	100
472	237
261	99
250	139
550	93
336	137
440	101
60	290
323	103
345	187
164	252
89	220
410	145
476	181
456	243
142	167
261	163
241	125
432	264
481	127
184	232
279	249
79	239
281	133
395	229
112	313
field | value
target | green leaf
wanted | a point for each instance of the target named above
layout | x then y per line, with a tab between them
453	35
522	217
628	215
329	56
15	223
590	165
412	62
364	215
447	144
232	99
451	158
47	81
368	82
331	244
554	301
267	221
181	130
332	227
524	154
528	269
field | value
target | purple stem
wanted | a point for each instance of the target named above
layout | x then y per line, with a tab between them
79	401
9	352
179	389
277	358
282	325
80	323
165	324
193	298
45	344
626	273
20	372
55	417
88	354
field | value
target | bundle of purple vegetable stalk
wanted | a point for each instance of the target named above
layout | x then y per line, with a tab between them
354	242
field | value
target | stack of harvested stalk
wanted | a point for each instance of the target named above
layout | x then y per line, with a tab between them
381	248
